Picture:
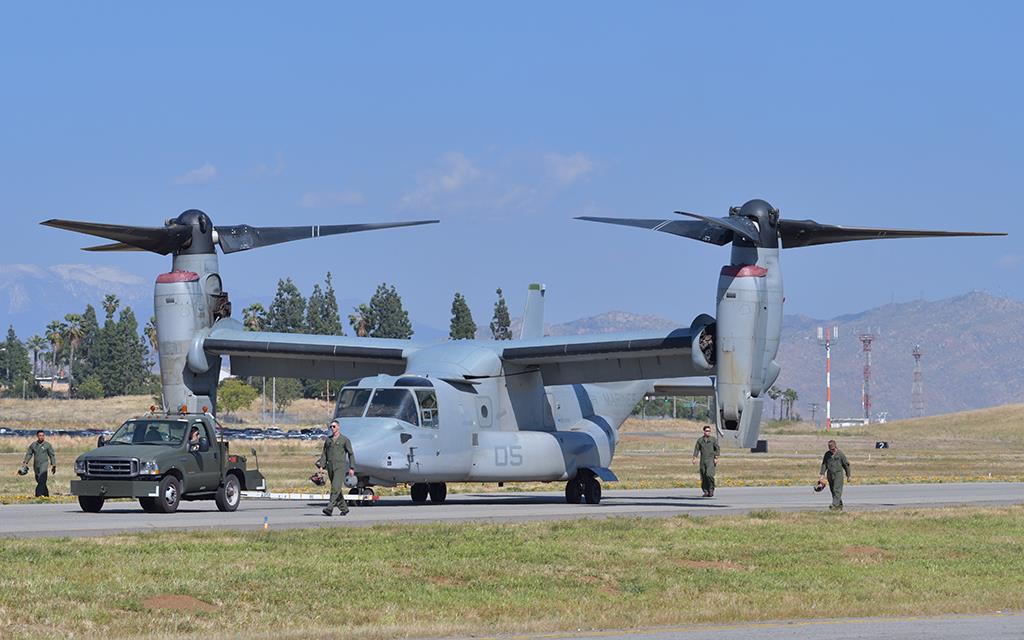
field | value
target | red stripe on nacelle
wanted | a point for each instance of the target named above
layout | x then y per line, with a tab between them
744	271
177	276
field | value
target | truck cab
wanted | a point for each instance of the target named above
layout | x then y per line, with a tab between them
161	459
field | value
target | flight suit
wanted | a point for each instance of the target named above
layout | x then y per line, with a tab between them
834	466
337	458
43	454
707	450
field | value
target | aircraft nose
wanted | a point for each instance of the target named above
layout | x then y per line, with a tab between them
378	444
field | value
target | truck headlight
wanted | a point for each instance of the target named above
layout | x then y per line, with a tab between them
149	468
80	467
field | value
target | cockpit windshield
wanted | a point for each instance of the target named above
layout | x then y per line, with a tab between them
393	403
169	432
351	403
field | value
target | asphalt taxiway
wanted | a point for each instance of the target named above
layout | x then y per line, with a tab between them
32	520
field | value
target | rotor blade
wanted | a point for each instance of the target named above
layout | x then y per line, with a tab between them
117	246
162	240
241	237
702	231
740	226
806	233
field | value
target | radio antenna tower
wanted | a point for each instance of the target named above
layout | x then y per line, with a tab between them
865	341
826	336
917	391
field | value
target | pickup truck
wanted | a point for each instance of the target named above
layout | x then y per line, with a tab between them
162	459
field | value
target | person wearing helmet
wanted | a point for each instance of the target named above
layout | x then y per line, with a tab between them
706	451
337	458
42	452
833	466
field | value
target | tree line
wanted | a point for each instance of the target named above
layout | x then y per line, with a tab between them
97	360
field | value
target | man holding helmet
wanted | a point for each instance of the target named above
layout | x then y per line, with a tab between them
42	451
338	459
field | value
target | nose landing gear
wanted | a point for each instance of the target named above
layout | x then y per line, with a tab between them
436	491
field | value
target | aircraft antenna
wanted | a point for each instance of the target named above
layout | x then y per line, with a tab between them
917	391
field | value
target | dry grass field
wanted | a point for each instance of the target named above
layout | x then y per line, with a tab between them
977	446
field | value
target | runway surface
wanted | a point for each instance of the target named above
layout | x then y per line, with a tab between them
997	626
68	520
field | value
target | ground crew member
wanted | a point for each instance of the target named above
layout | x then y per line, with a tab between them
833	467
338	459
42	451
706	451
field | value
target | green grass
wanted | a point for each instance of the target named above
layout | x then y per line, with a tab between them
426	580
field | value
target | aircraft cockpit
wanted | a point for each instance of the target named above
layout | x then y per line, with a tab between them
411	399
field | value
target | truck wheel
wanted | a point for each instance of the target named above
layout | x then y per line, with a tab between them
438	491
418	491
170	495
91	504
229	494
148	504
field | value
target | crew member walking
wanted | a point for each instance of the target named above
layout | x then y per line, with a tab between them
42	451
706	451
338	459
833	467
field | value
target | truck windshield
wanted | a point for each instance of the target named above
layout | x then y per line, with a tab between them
351	403
169	432
393	403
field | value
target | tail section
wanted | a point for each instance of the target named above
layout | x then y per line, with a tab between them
533	316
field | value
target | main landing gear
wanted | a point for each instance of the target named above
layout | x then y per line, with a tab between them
437	491
584	488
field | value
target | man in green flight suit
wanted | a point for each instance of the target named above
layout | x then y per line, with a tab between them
42	451
833	467
706	451
338	459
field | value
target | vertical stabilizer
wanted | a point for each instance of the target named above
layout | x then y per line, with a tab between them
533	316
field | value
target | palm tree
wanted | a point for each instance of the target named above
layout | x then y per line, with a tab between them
255	316
789	396
110	304
360	320
55	332
774	394
151	334
36	344
75	334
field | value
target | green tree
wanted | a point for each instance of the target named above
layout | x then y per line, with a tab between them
55	335
255	317
91	388
123	366
462	325
233	394
501	323
150	331
789	396
73	337
17	368
87	358
774	394
288	390
322	317
288	310
110	305
384	317
36	344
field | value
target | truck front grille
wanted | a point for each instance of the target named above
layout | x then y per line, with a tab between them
112	467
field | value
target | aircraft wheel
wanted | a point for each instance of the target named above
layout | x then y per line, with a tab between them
91	504
592	490
367	491
418	491
438	491
574	490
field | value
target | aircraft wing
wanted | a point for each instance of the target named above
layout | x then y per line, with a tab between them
612	357
296	355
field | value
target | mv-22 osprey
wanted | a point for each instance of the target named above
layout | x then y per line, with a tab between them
533	409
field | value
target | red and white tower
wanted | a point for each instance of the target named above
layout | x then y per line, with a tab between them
917	391
826	336
865	340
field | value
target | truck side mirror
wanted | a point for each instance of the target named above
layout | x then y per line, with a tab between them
100	440
204	444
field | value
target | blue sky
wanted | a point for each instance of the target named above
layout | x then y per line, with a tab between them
505	121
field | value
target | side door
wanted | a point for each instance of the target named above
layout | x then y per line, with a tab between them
207	459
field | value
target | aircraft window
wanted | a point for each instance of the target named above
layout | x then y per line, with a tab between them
393	403
428	407
351	403
413	381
